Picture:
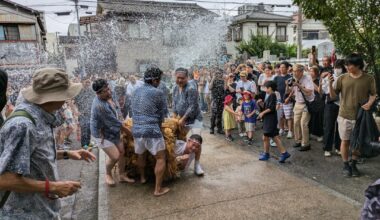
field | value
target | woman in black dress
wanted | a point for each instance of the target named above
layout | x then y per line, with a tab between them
270	129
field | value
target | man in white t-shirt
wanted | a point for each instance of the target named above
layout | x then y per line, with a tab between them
244	84
187	151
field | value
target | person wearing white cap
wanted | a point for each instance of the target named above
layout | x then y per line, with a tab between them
29	184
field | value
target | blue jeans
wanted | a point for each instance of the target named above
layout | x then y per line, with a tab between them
203	103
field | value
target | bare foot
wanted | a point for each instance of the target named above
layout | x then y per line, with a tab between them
125	178
109	180
161	192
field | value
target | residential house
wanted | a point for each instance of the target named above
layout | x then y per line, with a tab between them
314	33
22	35
258	21
152	31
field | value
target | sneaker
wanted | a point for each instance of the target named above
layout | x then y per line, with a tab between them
283	157
319	139
250	142
290	135
282	132
297	145
241	135
305	148
347	171
272	143
354	169
264	156
327	154
198	170
229	138
337	152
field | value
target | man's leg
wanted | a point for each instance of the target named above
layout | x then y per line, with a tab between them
113	155
297	123
121	163
329	128
159	171
141	162
305	119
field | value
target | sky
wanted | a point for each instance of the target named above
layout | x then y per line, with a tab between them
60	23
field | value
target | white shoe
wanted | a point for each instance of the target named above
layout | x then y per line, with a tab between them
241	135
290	135
198	170
245	135
337	152
319	139
327	154
272	143
282	132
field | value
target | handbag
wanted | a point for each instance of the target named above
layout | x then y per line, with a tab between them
314	106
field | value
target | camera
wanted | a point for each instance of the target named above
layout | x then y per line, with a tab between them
290	82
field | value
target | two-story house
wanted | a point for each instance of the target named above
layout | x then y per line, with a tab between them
151	31
258	21
22	35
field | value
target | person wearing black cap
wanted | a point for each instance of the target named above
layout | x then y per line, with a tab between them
105	129
148	112
252	74
3	91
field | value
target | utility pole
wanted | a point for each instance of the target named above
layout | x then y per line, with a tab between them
299	33
81	65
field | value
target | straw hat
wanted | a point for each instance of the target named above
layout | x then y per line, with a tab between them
51	85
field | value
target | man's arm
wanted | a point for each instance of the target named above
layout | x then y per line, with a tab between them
77	155
17	183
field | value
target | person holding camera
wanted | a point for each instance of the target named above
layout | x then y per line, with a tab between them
302	87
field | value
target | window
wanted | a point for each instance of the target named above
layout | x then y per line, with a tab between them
281	34
262	30
9	32
310	35
174	37
236	34
138	30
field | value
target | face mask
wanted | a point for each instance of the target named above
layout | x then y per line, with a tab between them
337	71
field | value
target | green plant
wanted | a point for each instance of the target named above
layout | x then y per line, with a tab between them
354	26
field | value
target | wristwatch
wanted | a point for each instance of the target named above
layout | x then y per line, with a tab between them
65	155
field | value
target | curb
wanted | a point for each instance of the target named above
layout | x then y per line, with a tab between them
102	188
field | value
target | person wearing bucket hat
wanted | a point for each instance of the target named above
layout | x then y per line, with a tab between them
29	182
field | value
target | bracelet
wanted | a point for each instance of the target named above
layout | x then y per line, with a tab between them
47	187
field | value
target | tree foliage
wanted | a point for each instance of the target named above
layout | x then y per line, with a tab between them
354	26
256	45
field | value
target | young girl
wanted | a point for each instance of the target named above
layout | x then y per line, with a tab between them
248	108
270	129
240	119
229	117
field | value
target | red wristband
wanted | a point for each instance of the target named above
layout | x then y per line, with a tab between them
47	186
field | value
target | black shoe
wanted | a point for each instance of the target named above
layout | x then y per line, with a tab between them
250	142
354	169
211	131
220	132
347	171
297	145
305	148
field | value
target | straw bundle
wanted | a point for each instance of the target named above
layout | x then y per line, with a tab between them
171	132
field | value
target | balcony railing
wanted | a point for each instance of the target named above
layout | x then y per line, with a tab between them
281	38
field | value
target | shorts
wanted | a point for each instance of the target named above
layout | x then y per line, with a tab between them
249	126
345	127
153	145
105	144
272	134
288	110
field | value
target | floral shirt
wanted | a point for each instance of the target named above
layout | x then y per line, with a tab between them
29	150
149	109
185	103
104	121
